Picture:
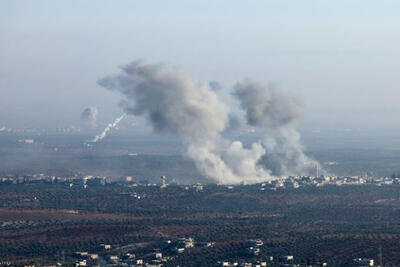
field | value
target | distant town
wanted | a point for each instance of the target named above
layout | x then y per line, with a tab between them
284	182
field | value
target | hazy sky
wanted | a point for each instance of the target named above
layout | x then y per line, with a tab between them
340	58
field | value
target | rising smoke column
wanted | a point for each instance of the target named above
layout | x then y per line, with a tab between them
107	129
89	115
275	112
175	103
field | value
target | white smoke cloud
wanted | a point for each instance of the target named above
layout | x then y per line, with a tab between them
107	129
275	112
89	115
175	103
286	153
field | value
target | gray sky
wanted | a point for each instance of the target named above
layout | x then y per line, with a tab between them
340	58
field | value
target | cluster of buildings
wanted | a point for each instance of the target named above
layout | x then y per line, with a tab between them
72	180
158	257
284	182
108	256
288	261
322	180
282	261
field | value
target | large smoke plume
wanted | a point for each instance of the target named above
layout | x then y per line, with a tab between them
89	115
178	104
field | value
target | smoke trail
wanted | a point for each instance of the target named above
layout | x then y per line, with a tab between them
275	112
175	103
107	129
89	115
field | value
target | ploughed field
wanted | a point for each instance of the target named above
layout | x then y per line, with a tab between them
46	223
